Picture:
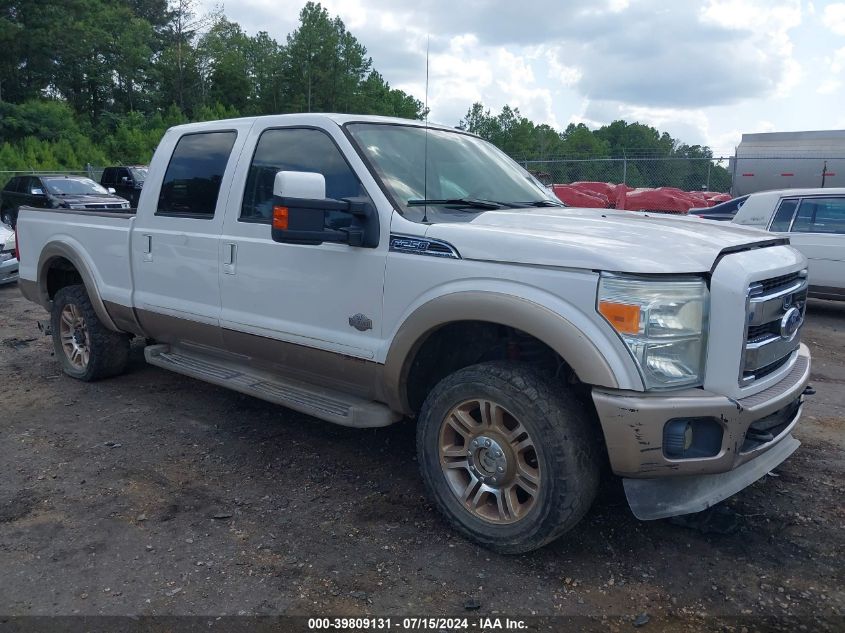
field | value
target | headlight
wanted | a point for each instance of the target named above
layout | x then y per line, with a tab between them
6	255
663	323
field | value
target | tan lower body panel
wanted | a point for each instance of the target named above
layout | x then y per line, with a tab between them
351	375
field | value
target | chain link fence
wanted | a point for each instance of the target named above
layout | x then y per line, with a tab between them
737	175
690	174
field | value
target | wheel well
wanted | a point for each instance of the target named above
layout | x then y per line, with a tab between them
60	273
463	343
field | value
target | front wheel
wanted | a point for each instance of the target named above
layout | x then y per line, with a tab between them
86	349
508	455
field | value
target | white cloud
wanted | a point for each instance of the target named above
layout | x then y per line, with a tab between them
705	72
829	86
834	17
767	26
837	61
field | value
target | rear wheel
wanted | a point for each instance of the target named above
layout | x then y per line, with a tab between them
508	456
86	349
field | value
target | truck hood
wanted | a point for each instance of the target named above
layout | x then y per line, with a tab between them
94	198
597	239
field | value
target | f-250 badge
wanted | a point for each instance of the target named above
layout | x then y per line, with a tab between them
361	322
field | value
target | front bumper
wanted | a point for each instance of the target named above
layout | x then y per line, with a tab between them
633	425
8	271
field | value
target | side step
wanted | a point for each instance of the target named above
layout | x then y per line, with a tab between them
323	403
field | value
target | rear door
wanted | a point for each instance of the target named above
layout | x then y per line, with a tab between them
174	246
818	231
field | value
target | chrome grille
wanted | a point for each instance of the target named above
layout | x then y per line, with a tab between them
775	284
767	345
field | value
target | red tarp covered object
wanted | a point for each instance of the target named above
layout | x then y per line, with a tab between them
609	195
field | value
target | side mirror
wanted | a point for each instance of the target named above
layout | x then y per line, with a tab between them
36	191
111	190
300	209
124	179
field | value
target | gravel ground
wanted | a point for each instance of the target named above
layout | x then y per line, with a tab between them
152	493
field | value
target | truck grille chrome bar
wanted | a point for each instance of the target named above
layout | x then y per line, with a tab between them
774	317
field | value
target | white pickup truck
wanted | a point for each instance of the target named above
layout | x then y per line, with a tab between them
366	270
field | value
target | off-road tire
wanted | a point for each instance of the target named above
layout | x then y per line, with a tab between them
108	350
567	452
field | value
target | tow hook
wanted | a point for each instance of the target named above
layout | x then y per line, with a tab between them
809	390
44	328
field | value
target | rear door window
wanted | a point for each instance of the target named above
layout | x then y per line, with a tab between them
783	215
192	180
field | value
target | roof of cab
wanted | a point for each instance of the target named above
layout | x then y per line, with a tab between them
306	118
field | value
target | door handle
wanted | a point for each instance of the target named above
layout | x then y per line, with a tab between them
147	247
230	252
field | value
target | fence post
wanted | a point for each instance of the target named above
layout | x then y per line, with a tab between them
624	168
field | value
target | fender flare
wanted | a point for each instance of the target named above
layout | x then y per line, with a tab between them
585	358
55	250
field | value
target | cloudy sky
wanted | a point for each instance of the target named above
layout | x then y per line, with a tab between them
705	71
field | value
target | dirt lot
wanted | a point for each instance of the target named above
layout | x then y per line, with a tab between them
153	493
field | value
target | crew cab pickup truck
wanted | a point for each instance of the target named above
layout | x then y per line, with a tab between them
367	270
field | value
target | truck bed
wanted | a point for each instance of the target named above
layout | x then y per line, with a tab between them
101	238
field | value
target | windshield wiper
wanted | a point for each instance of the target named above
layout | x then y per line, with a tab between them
458	202
538	203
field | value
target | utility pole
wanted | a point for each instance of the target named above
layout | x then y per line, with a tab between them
624	167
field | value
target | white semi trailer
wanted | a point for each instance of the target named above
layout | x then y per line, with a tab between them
786	160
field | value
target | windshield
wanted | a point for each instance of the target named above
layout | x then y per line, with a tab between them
460	167
139	173
72	186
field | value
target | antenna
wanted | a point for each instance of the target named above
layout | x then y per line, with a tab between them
425	151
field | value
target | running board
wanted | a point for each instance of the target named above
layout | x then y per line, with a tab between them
325	404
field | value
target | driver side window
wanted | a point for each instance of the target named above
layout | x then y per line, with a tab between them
297	149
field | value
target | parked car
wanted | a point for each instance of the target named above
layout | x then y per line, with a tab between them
8	257
127	181
55	192
296	258
724	211
814	221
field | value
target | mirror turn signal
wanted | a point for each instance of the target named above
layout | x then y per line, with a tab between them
280	218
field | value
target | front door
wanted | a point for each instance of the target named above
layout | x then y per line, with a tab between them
299	299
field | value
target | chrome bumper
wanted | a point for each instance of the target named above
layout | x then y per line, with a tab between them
9	271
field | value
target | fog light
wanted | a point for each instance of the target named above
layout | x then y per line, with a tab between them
684	438
677	438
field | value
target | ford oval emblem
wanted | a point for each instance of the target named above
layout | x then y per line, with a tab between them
790	323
